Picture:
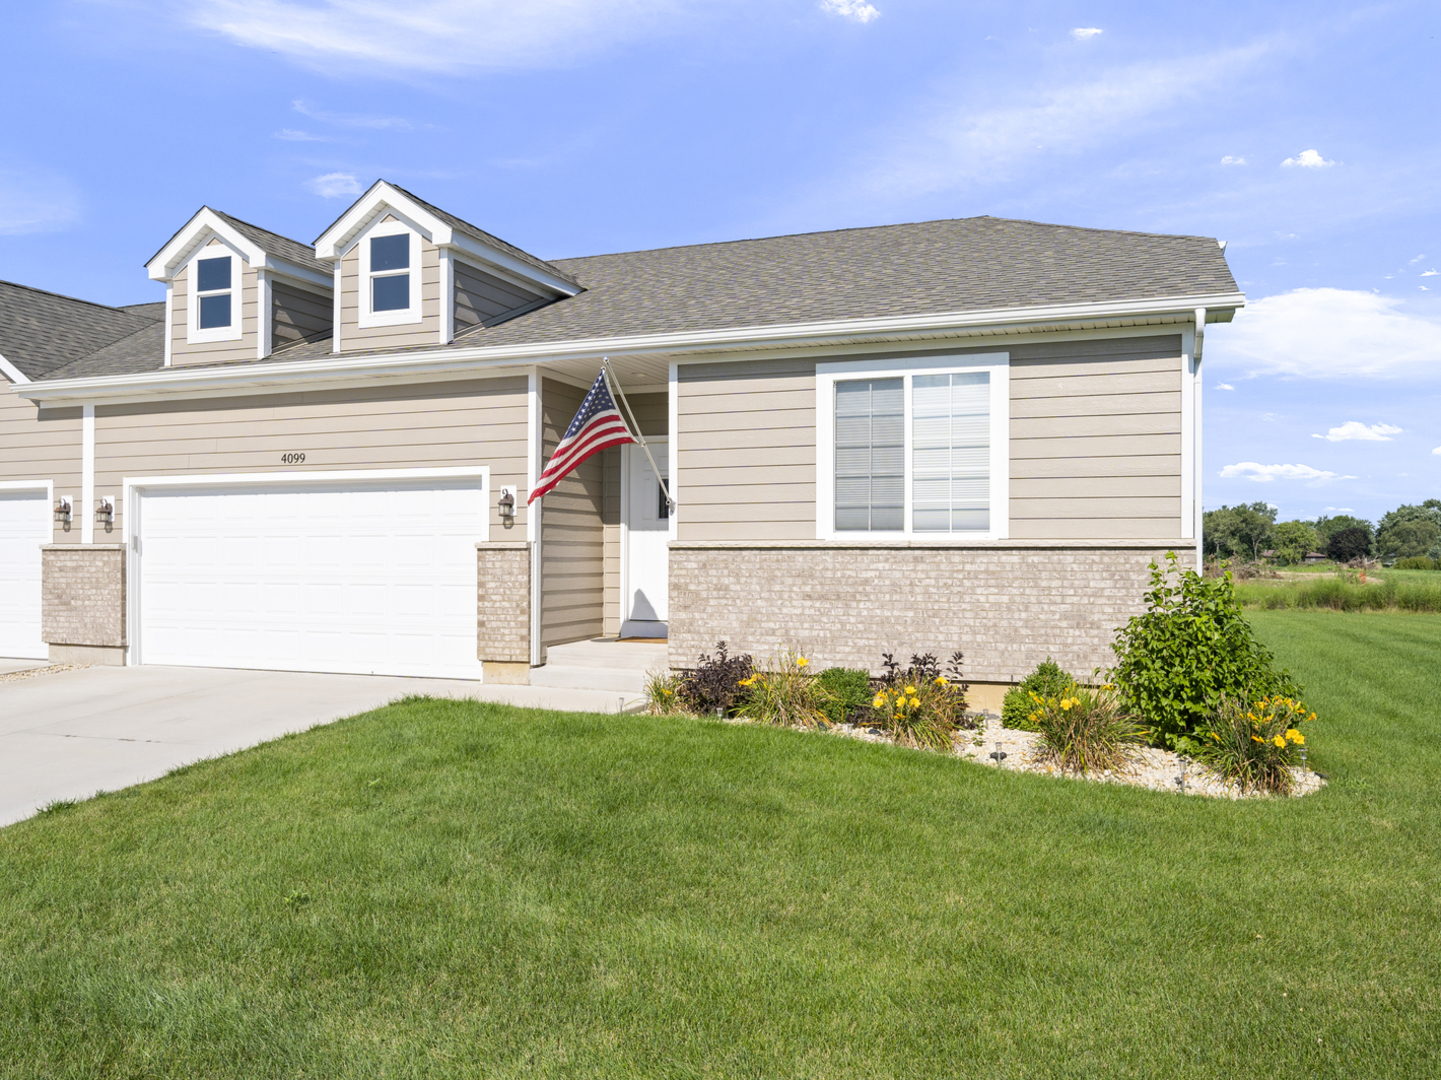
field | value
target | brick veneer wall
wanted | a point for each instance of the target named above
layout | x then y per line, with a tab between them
1008	608
83	594
503	602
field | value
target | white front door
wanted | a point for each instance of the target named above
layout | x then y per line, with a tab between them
369	578
24	526
644	606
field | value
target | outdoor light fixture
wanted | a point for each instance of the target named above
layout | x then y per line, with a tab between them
999	755
105	512
507	502
62	509
1181	780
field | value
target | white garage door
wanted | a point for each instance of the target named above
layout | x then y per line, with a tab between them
24	526
373	578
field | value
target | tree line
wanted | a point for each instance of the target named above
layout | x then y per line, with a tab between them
1245	531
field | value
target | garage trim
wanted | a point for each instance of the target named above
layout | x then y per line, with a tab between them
134	486
47	486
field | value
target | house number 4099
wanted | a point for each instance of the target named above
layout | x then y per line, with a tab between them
292	459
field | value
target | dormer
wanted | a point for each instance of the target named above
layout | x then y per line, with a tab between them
407	273
222	275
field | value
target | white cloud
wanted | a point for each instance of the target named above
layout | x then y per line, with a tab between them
433	35
333	185
858	10
1308	159
1326	333
1081	33
36	201
1437	450
1264	474
1428	273
1355	430
962	140
1417	259
1337	510
1229	160
353	120
291	135
1224	386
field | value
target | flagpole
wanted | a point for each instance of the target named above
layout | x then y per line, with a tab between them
614	383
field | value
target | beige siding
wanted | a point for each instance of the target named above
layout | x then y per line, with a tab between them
478	422
572	534
43	444
652	413
426	332
747	450
1096	439
298	314
480	296
1095	443
242	348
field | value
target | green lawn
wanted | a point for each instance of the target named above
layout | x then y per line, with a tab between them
439	889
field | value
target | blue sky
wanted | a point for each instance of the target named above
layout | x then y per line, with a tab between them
1306	135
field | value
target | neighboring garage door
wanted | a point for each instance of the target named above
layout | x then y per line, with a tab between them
24	526
365	578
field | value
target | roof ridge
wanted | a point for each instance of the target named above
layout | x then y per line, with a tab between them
879	228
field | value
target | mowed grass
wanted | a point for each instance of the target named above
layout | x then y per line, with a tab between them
439	889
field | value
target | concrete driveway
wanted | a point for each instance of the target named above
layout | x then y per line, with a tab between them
68	734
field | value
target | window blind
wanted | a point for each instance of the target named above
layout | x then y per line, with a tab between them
870	455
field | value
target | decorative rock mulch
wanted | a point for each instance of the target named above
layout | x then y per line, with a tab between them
52	669
1150	768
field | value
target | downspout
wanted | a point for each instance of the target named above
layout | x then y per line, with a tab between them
1196	436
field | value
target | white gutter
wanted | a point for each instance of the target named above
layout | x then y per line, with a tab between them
468	362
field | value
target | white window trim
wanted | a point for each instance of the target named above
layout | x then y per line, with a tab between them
997	365
193	334
403	316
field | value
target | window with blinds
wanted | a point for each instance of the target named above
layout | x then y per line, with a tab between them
950	453
870	455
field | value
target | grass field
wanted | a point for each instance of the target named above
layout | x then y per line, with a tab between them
447	890
1400	590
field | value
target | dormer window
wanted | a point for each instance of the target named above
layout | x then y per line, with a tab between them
389	275
212	289
214	300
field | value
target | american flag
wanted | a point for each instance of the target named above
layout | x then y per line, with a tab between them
597	426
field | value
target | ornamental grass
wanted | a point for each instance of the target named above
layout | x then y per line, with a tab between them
1255	744
782	692
1086	729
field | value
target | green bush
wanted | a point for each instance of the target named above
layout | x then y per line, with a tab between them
1417	562
1048	680
1254	743
1191	649
1086	729
850	689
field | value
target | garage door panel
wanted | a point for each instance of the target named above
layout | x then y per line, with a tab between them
24	526
366	579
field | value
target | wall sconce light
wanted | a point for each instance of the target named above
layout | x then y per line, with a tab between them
62	509
507	502
105	512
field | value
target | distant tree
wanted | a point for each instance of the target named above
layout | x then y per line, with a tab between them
1239	530
1293	541
1350	543
1409	530
1327	527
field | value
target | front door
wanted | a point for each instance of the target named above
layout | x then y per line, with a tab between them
644	607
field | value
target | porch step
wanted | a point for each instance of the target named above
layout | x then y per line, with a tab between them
605	664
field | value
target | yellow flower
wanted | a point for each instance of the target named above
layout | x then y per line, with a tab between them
880	700
910	689
941	680
1257	738
1215	736
1280	742
801	661
1033	718
1066	704
915	702
668	692
1311	717
1296	737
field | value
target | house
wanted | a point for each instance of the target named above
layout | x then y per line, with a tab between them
972	433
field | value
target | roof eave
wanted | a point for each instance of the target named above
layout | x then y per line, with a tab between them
460	362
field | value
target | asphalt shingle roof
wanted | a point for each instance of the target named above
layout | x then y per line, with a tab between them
41	332
275	244
932	267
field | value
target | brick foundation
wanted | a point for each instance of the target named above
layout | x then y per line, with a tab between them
1007	608
503	609
82	605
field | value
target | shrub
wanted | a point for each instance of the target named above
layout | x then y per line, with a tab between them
849	690
1191	648
663	693
1048	680
1085	729
785	694
1417	562
716	682
1254	744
